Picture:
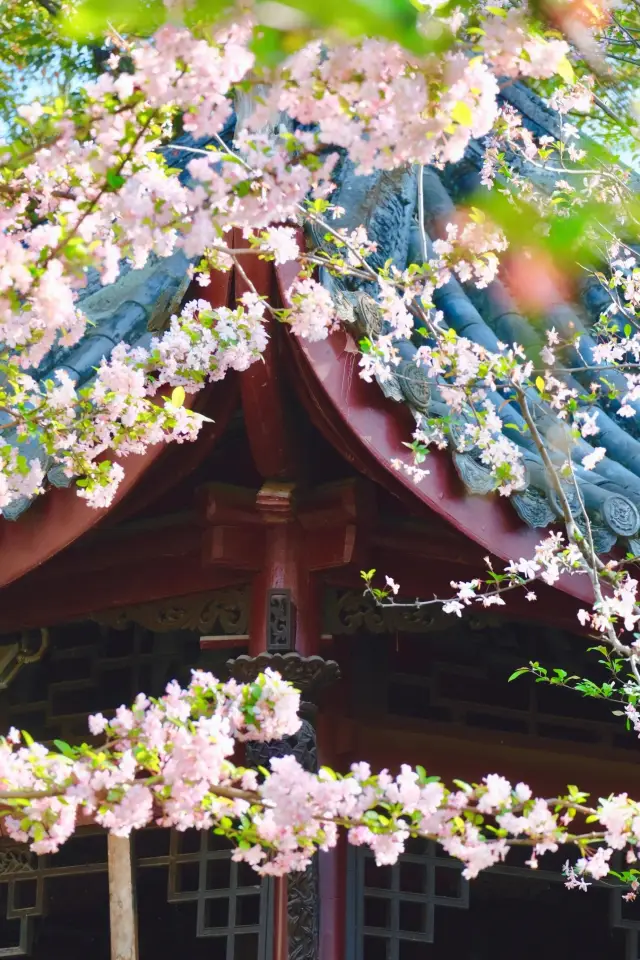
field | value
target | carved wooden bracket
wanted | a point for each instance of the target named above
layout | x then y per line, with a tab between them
29	648
332	521
308	674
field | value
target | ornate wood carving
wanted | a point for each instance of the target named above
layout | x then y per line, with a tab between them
29	648
15	858
281	621
308	674
301	745
224	611
347	612
302	888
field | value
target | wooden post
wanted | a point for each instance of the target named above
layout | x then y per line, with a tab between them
122	906
280	920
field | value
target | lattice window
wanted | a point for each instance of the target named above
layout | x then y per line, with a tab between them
626	916
89	667
399	912
451	680
395	907
232	902
43	898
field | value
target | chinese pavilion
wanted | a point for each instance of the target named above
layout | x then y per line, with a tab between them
244	549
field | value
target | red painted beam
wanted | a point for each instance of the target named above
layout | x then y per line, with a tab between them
221	503
371	430
218	401
36	603
136	543
331	547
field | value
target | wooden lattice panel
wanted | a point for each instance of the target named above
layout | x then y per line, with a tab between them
228	902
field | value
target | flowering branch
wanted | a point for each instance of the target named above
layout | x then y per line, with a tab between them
169	761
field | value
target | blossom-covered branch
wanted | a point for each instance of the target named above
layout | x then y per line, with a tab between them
169	761
91	186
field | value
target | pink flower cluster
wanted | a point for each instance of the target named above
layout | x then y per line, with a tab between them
169	760
118	412
164	759
512	49
472	251
382	107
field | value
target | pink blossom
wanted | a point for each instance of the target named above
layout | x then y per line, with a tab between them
282	243
592	459
312	312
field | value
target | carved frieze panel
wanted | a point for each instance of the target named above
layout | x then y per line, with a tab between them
221	611
351	611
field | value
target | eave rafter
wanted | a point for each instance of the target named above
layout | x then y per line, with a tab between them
273	447
371	432
237	536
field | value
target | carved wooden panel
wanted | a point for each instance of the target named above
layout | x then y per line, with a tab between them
303	890
223	611
281	621
351	612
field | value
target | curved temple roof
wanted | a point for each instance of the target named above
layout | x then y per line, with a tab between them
387	204
129	310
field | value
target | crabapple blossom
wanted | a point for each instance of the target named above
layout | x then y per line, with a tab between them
94	188
169	761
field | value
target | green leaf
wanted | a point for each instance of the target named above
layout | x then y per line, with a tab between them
177	397
393	19
272	46
91	18
461	113
329	773
64	748
518	673
540	384
565	70
115	180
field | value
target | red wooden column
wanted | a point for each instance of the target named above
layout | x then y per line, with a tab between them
334	750
285	537
280	570
285	568
333	883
